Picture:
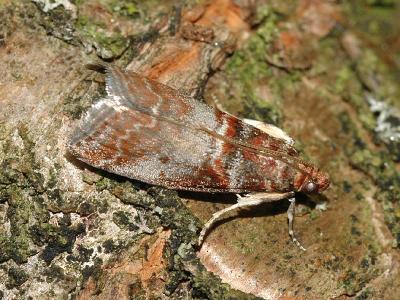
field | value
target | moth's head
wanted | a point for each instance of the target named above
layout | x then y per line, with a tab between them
315	181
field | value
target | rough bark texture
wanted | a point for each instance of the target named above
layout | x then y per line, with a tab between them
323	71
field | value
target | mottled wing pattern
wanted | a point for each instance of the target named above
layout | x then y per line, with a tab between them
167	102
150	132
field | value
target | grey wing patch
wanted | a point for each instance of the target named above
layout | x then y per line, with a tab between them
138	146
92	119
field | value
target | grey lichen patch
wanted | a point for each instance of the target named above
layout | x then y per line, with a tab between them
25	196
62	20
132	223
59	22
387	126
18	162
93	271
47	5
81	244
118	227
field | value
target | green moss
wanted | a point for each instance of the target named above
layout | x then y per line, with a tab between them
181	250
206	285
93	271
87	31
343	77
86	208
22	187
19	213
379	166
109	246
16	277
348	86
108	45
313	215
123	220
54	238
376	24
357	278
127	193
79	100
55	273
247	69
84	254
376	76
125	8
15	248
102	184
57	239
259	109
366	294
107	41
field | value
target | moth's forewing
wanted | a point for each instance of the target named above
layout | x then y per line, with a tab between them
150	132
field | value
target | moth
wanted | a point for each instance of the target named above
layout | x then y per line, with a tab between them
148	131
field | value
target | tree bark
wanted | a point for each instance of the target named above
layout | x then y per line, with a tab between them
70	230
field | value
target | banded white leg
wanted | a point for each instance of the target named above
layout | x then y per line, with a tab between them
253	200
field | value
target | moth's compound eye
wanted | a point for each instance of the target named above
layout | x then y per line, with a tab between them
310	187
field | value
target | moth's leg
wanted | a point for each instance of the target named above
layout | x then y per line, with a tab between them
244	201
290	214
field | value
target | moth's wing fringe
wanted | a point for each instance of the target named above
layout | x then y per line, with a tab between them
100	111
114	87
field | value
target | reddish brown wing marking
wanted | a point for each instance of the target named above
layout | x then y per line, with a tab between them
168	102
166	154
147	131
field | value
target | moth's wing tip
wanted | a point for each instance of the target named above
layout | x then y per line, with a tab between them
71	148
108	70
97	66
